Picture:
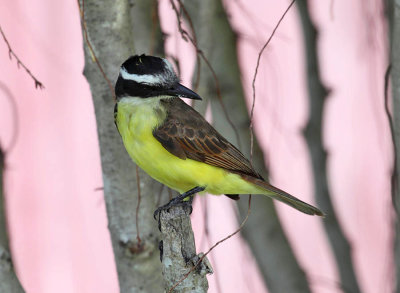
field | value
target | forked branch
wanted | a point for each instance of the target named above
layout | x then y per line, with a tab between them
12	54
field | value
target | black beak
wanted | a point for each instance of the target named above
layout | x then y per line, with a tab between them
182	91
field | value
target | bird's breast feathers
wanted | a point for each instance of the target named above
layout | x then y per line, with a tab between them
136	119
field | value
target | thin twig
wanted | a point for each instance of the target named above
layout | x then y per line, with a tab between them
212	247
207	237
11	54
189	19
206	231
209	241
154	21
93	55
255	76
186	36
138	206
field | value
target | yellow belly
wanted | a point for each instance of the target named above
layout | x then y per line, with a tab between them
135	125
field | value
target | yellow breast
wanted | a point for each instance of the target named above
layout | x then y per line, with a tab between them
136	118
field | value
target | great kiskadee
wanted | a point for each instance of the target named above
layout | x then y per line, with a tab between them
174	144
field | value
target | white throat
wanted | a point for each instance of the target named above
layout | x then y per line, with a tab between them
136	101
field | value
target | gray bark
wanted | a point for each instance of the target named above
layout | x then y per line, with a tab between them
263	231
115	34
146	27
178	252
8	280
395	60
313	134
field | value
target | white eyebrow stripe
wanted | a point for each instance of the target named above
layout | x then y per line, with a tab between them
170	68
150	79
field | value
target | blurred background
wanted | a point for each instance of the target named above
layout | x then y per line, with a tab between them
321	133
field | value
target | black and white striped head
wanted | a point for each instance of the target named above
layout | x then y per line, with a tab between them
148	76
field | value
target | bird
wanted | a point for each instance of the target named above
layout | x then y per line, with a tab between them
175	145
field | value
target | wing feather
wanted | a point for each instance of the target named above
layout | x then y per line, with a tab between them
186	134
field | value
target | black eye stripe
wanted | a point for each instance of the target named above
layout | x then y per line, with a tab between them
134	89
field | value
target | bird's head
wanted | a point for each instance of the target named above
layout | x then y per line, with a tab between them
148	76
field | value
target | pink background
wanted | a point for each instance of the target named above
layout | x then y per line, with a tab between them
57	220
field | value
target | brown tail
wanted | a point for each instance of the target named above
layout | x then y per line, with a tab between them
284	197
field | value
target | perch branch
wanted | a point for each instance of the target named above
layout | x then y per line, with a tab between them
203	256
178	252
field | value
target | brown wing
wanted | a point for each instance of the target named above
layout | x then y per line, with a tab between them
186	134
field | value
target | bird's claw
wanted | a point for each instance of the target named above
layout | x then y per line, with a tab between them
177	201
170	204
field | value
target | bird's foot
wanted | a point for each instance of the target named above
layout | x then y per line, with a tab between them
173	202
179	200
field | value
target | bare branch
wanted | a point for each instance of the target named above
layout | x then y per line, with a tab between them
255	76
178	252
189	20
11	54
200	261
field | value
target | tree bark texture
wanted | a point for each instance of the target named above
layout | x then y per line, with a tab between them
116	32
263	231
146	27
178	252
395	61
8	279
313	134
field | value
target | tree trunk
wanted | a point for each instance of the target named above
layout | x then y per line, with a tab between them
146	27
116	32
395	61
217	40
8	280
313	134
